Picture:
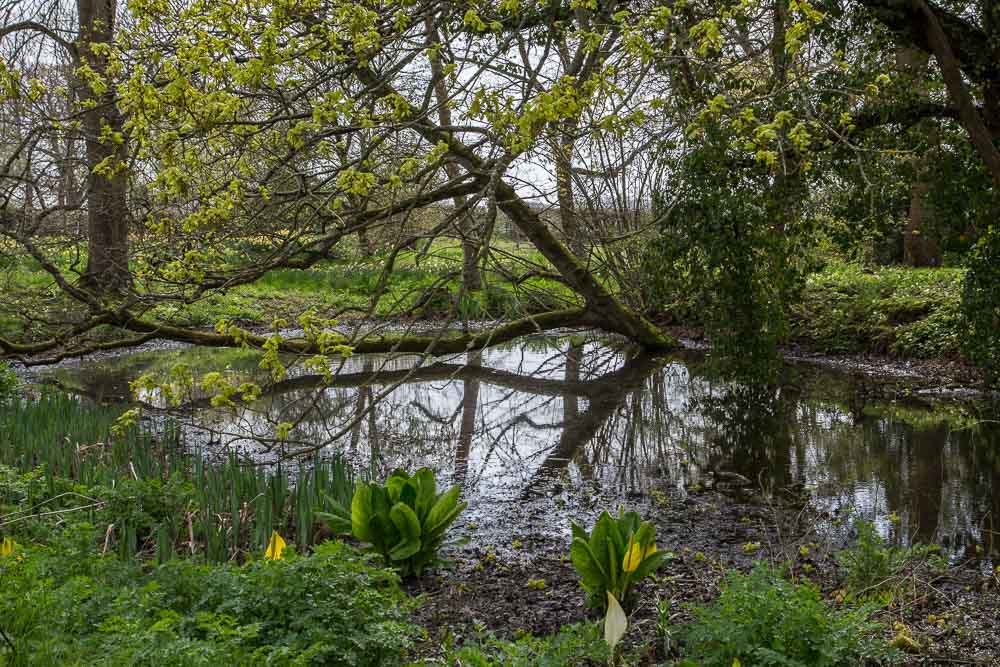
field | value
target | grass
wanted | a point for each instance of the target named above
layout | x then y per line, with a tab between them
423	284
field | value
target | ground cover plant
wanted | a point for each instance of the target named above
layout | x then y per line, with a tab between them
762	618
66	604
877	570
578	644
617	554
903	311
62	458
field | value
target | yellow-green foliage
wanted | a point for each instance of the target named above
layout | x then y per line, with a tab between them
904	311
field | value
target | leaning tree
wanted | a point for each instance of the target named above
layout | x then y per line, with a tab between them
266	134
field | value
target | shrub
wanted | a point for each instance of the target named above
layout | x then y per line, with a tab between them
330	608
905	311
763	619
617	554
405	521
981	306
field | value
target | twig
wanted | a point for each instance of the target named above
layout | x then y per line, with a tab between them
44	514
107	539
3	633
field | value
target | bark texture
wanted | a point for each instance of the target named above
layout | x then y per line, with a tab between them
107	203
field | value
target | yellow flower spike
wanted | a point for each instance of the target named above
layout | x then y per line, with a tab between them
635	555
632	558
275	546
7	547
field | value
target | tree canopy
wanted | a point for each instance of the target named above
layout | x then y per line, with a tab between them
161	152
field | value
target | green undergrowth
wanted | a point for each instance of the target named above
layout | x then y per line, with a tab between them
424	283
67	605
762	618
421	285
901	311
579	644
155	499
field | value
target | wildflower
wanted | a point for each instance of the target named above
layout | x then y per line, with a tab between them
275	546
635	555
7	547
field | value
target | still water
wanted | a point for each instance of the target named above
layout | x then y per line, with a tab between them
553	427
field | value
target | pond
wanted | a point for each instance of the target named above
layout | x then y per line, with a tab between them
555	427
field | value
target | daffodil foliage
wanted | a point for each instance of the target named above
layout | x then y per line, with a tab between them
617	554
404	521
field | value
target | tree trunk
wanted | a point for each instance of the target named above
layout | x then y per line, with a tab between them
565	146
107	209
603	307
951	71
919	247
471	276
788	191
470	405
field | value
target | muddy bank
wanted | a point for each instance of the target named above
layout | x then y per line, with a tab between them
952	611
946	377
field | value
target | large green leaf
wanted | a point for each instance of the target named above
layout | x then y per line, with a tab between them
600	540
618	535
629	522
380	503
405	549
614	569
650	564
592	575
394	487
406	522
408	525
646	534
338	518
579	532
408	494
426	492
336	523
362	513
444	512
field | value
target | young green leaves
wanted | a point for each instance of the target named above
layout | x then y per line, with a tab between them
614	556
404	521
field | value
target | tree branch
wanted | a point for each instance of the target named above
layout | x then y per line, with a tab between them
35	26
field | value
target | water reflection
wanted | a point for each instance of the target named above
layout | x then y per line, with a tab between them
590	423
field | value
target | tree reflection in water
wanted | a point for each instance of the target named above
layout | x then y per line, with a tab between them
555	416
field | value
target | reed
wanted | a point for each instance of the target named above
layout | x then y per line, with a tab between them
213	511
70	440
